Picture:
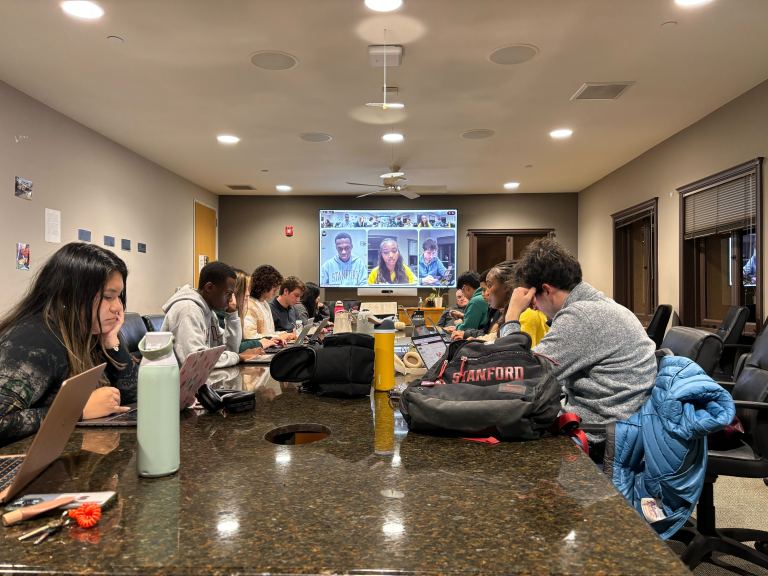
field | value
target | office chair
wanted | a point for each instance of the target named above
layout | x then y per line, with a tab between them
153	322
745	457
729	332
658	324
132	332
701	346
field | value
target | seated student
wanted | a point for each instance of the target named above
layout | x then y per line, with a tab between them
283	311
431	269
190	315
453	313
600	352
258	322
310	309
344	269
499	282
242	290
476	313
391	268
67	323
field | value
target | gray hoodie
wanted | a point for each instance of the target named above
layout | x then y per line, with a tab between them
195	327
601	356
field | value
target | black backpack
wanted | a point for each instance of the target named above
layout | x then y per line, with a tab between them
343	366
499	389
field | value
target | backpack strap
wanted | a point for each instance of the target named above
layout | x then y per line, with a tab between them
568	424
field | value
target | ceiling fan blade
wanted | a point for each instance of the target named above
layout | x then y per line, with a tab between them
368	193
408	192
426	189
359	184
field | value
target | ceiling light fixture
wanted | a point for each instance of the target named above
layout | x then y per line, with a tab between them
393	175
227	139
82	9
511	185
691	3
561	133
383	5
283	188
393	137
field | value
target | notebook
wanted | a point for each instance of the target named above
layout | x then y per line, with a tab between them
193	374
431	347
53	435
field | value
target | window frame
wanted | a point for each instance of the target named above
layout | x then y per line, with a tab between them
689	253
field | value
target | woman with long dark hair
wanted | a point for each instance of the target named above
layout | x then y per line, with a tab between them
391	268
310	309
67	323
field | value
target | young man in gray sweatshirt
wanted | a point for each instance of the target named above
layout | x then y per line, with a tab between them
600	353
190	315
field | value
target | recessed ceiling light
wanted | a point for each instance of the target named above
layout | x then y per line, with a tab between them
393	137
83	9
388	105
383	5
561	133
691	3
227	139
274	60
511	185
283	188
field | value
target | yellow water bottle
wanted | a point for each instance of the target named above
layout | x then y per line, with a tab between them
383	424
384	362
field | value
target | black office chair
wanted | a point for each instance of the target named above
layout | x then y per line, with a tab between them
153	322
744	458
701	346
132	332
658	324
729	332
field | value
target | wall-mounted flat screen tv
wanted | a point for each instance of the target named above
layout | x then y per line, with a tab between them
410	248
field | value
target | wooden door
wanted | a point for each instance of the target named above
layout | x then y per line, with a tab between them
206	236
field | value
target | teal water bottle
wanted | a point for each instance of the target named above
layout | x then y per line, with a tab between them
157	429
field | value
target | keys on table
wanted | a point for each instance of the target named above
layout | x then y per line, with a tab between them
47	530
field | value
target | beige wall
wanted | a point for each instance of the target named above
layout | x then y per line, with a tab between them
735	133
97	185
251	228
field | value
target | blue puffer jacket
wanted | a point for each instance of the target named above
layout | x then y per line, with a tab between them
661	451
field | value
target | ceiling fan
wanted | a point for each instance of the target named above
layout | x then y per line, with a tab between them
395	181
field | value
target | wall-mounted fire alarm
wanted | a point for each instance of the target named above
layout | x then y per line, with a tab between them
289	231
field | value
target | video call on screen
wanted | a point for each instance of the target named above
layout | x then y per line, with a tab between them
388	248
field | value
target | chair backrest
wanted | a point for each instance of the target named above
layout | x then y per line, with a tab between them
701	346
733	324
133	331
153	322
658	324
752	385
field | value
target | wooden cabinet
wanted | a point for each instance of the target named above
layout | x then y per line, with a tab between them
431	313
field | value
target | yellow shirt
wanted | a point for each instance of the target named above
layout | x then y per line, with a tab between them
408	274
534	323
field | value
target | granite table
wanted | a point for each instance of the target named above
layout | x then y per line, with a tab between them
369	498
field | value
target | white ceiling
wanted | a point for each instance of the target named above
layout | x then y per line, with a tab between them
184	75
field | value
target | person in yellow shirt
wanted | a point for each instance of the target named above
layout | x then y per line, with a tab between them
499	287
391	268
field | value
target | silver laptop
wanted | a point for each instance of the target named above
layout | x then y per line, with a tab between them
431	347
19	470
269	353
193	374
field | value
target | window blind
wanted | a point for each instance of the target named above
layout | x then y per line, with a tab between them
722	208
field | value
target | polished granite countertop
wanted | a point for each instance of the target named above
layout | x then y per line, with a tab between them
370	498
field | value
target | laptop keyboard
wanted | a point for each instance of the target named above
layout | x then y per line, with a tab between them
9	466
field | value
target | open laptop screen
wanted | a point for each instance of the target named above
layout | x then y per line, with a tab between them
431	347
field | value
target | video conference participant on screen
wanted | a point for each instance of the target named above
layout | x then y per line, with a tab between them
391	268
344	269
431	269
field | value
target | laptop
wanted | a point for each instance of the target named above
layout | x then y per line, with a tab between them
269	353
19	470
431	347
193	374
